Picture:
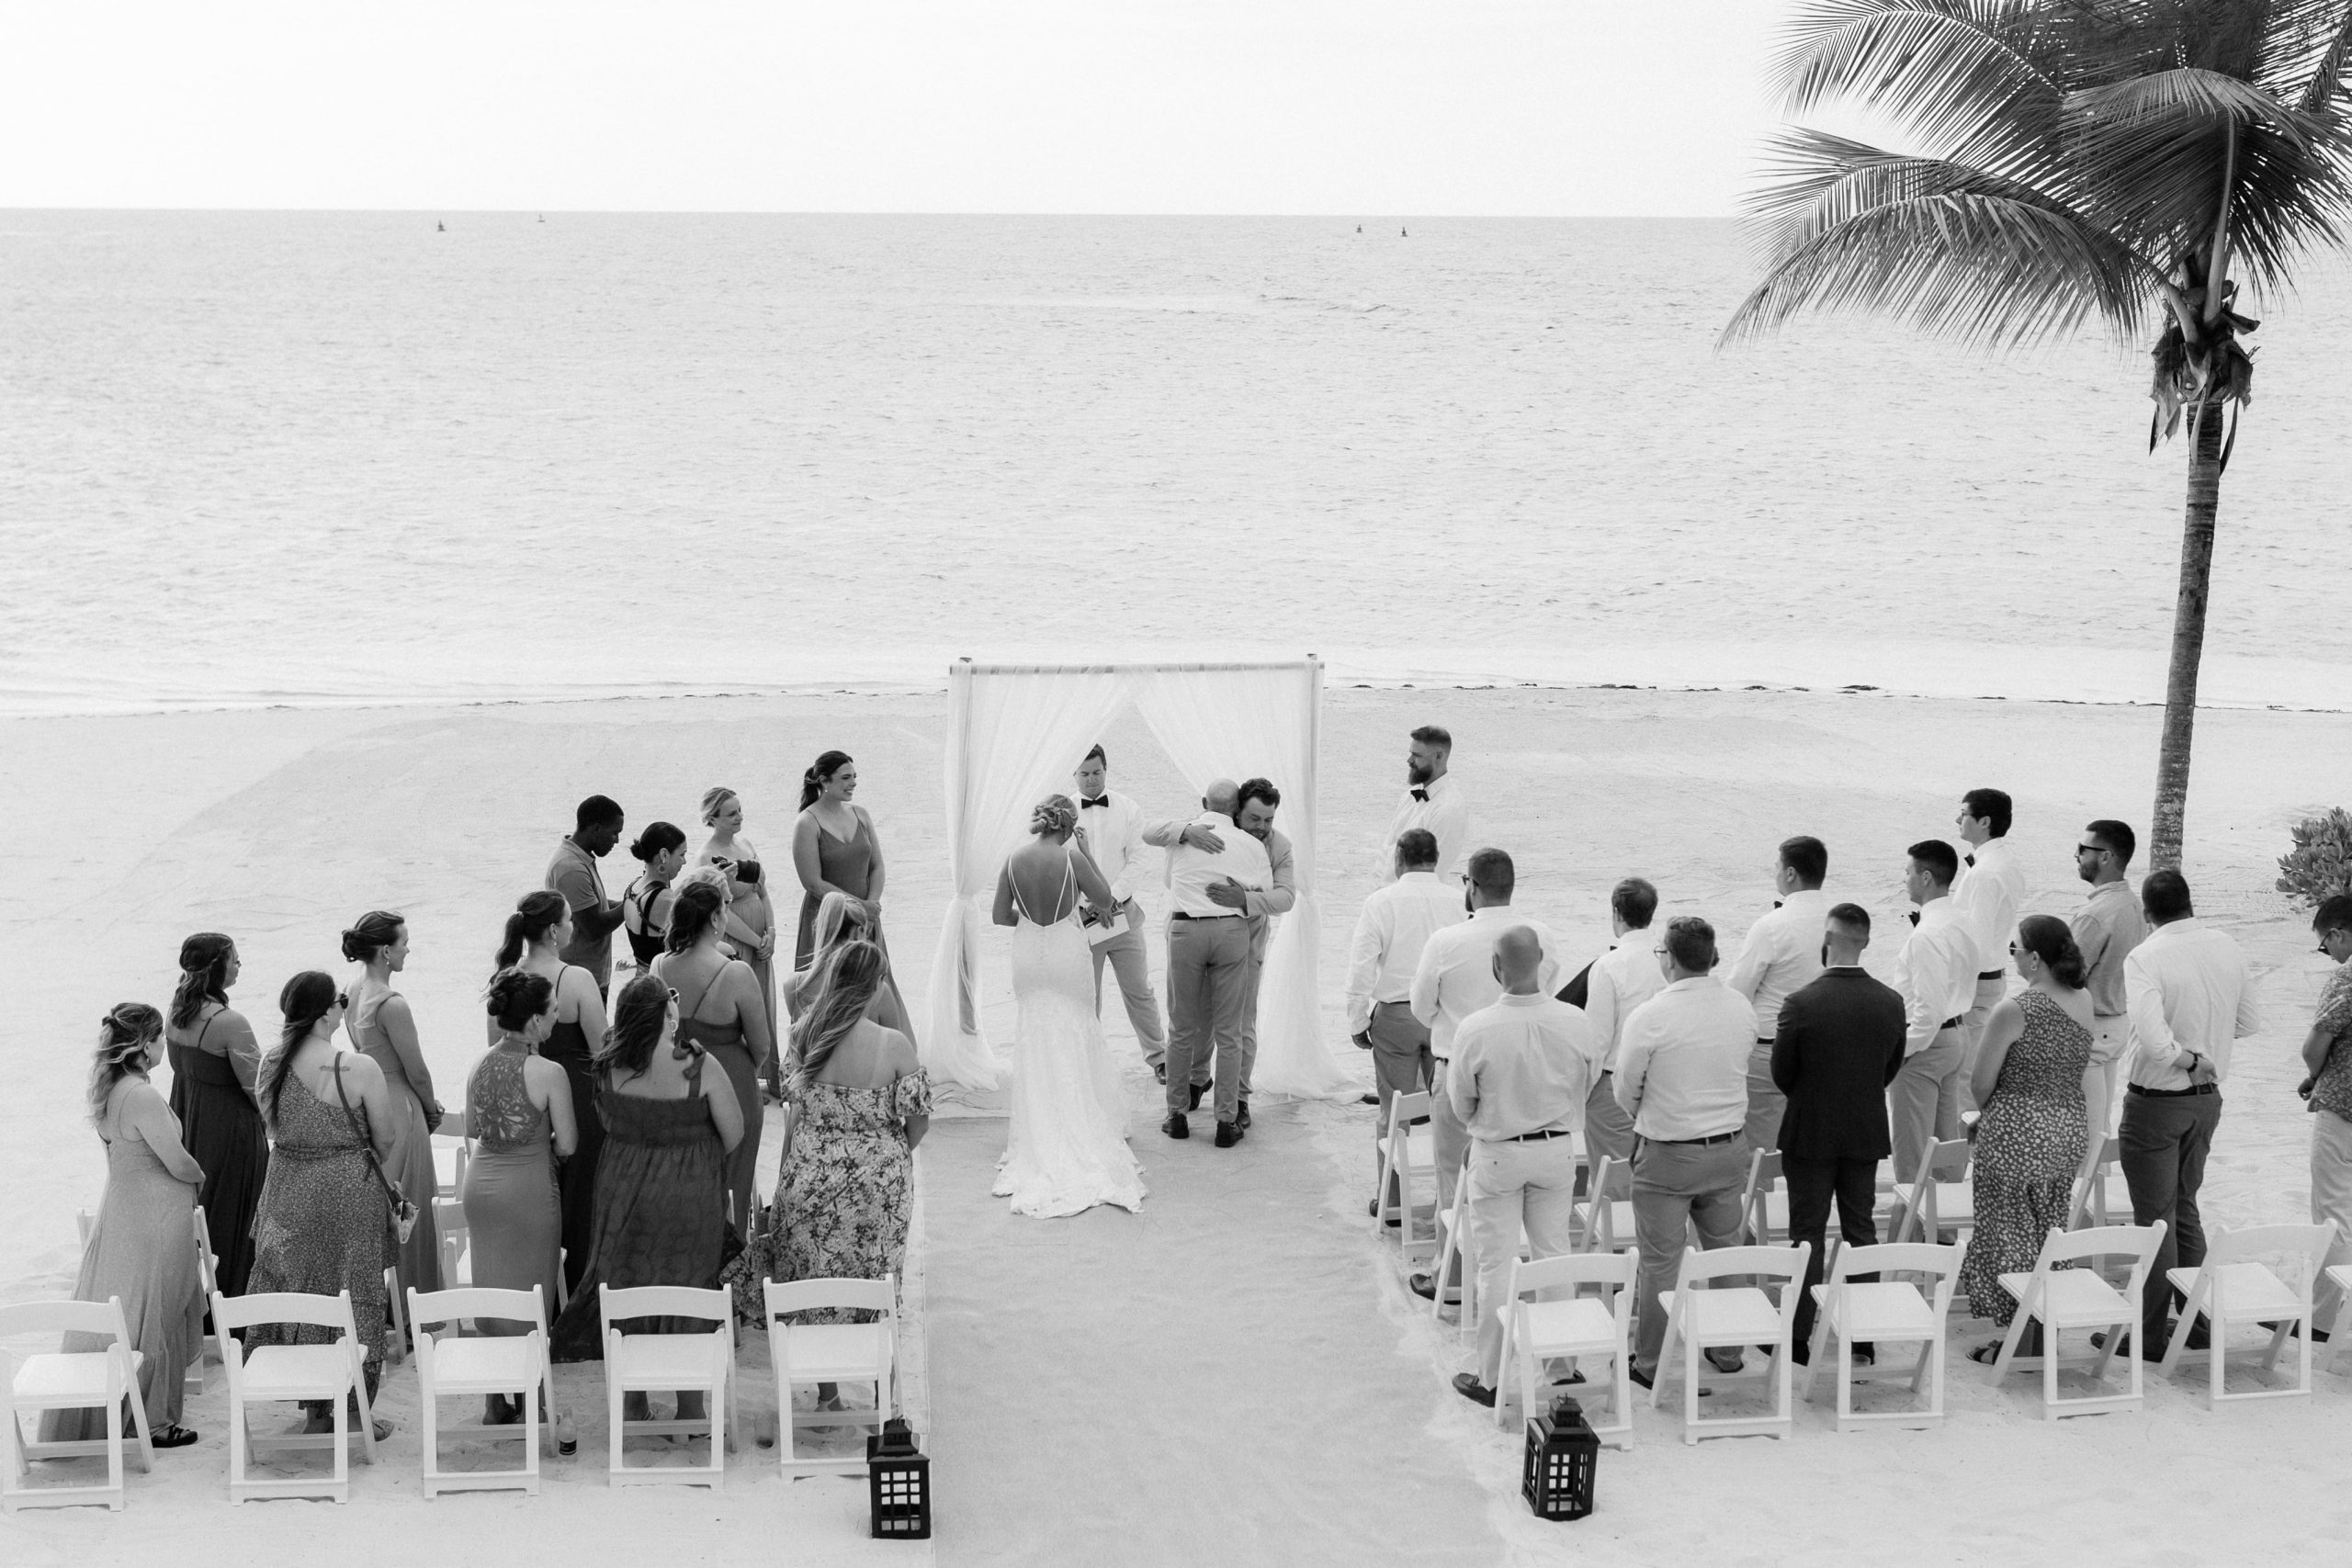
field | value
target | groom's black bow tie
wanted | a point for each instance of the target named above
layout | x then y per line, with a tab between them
1098	800
1968	860
1914	917
1419	794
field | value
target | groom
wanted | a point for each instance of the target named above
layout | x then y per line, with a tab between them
1208	961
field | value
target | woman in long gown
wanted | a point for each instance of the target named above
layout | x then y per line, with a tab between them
215	1062
383	1030
536	935
324	1223
518	1108
669	1121
720	1013
645	907
1066	1150
2031	1137
142	1249
750	913
840	919
835	849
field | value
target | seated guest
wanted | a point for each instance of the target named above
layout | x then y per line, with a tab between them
216	1064
645	907
537	933
1838	1043
721	1011
518	1109
2030	1142
142	1249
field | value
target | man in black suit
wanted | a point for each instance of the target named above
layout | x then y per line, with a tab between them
1839	1045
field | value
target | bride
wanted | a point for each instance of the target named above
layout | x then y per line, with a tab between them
1067	1149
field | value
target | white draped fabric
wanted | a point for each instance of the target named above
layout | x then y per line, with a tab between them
1015	733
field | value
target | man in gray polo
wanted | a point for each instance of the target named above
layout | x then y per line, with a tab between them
2107	928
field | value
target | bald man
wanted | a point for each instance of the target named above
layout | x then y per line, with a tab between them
1522	1066
1208	962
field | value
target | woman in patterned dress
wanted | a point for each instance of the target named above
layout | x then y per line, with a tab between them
2030	1141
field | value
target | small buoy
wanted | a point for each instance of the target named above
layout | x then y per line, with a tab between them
1401	234
439	227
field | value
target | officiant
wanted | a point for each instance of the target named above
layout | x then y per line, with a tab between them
1110	826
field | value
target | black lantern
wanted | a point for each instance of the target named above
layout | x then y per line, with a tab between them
898	1480
1562	1455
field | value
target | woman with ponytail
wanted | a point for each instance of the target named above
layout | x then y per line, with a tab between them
216	1067
383	1030
720	1013
2031	1137
645	907
142	1249
536	935
835	849
324	1226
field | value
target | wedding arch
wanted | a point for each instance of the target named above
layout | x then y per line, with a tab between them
1016	731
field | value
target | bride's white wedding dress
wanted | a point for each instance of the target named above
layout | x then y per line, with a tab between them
1067	1150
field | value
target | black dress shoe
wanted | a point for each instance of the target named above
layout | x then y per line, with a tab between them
2153	1351
1199	1089
1160	1071
1176	1126
1242	1113
1641	1379
1467	1386
173	1437
1423	1286
1227	1134
1369	1100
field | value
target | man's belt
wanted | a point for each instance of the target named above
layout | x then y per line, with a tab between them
1533	1138
1717	1138
2173	1094
1180	915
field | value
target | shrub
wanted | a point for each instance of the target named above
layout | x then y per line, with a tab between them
2320	865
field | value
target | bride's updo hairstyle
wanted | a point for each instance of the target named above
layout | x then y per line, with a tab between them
370	934
698	907
846	988
2047	938
1055	814
820	773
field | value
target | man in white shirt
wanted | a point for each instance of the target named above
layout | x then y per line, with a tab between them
1621	980
1936	973
1432	800
1110	826
1393	926
1522	1066
1682	1076
1208	963
2191	1000
1781	957
1987	892
1454	979
1260	801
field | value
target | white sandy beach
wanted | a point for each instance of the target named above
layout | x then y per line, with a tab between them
1237	1372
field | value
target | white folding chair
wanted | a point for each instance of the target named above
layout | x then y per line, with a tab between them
1764	1207
2340	1276
1407	1152
2061	1298
1602	1219
1458	1245
84	1223
208	1280
1589	1327
1702	1316
2091	1205
456	1243
805	1353
2234	1286
82	1379
267	1374
396	1296
451	1154
515	1366
688	1362
1939	1196
1885	1311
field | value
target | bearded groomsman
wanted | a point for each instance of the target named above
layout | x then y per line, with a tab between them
1432	800
1260	801
1111	825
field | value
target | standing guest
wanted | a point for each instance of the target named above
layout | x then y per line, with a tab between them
2191	1000
1110	826
2327	1091
1987	891
518	1108
322	1226
1781	955
1616	983
1836	1044
573	873
142	1249
1522	1066
2029	1140
1396	923
670	1122
1455	978
751	914
1432	800
2107	928
1682	1076
840	919
216	1064
1209	965
720	1013
383	1030
645	907
835	849
1936	972
1259	800
537	934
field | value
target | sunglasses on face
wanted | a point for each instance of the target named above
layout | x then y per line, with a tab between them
342	998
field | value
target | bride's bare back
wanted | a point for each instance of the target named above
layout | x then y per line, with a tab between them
1047	880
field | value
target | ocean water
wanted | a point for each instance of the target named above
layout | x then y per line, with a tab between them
268	458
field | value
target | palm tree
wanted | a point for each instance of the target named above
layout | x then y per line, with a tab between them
2125	162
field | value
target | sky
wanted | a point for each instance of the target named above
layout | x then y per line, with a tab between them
1410	107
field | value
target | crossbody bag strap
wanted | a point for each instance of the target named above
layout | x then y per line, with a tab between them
391	1194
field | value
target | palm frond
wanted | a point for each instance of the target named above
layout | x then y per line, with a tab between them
2329	78
2186	97
1946	67
1818	180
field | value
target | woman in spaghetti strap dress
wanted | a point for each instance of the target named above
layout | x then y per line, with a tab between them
719	1013
324	1226
645	907
384	1030
835	849
142	1249
215	1062
840	919
2031	1137
519	1110
536	935
670	1122
750	913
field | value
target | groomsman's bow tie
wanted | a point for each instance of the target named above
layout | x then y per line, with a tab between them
1912	917
1968	860
1098	800
1419	794
1776	903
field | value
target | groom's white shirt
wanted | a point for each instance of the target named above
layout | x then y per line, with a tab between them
1191	872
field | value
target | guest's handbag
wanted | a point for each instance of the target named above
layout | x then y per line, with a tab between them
403	1212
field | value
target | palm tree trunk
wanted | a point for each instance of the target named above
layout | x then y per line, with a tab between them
2187	639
